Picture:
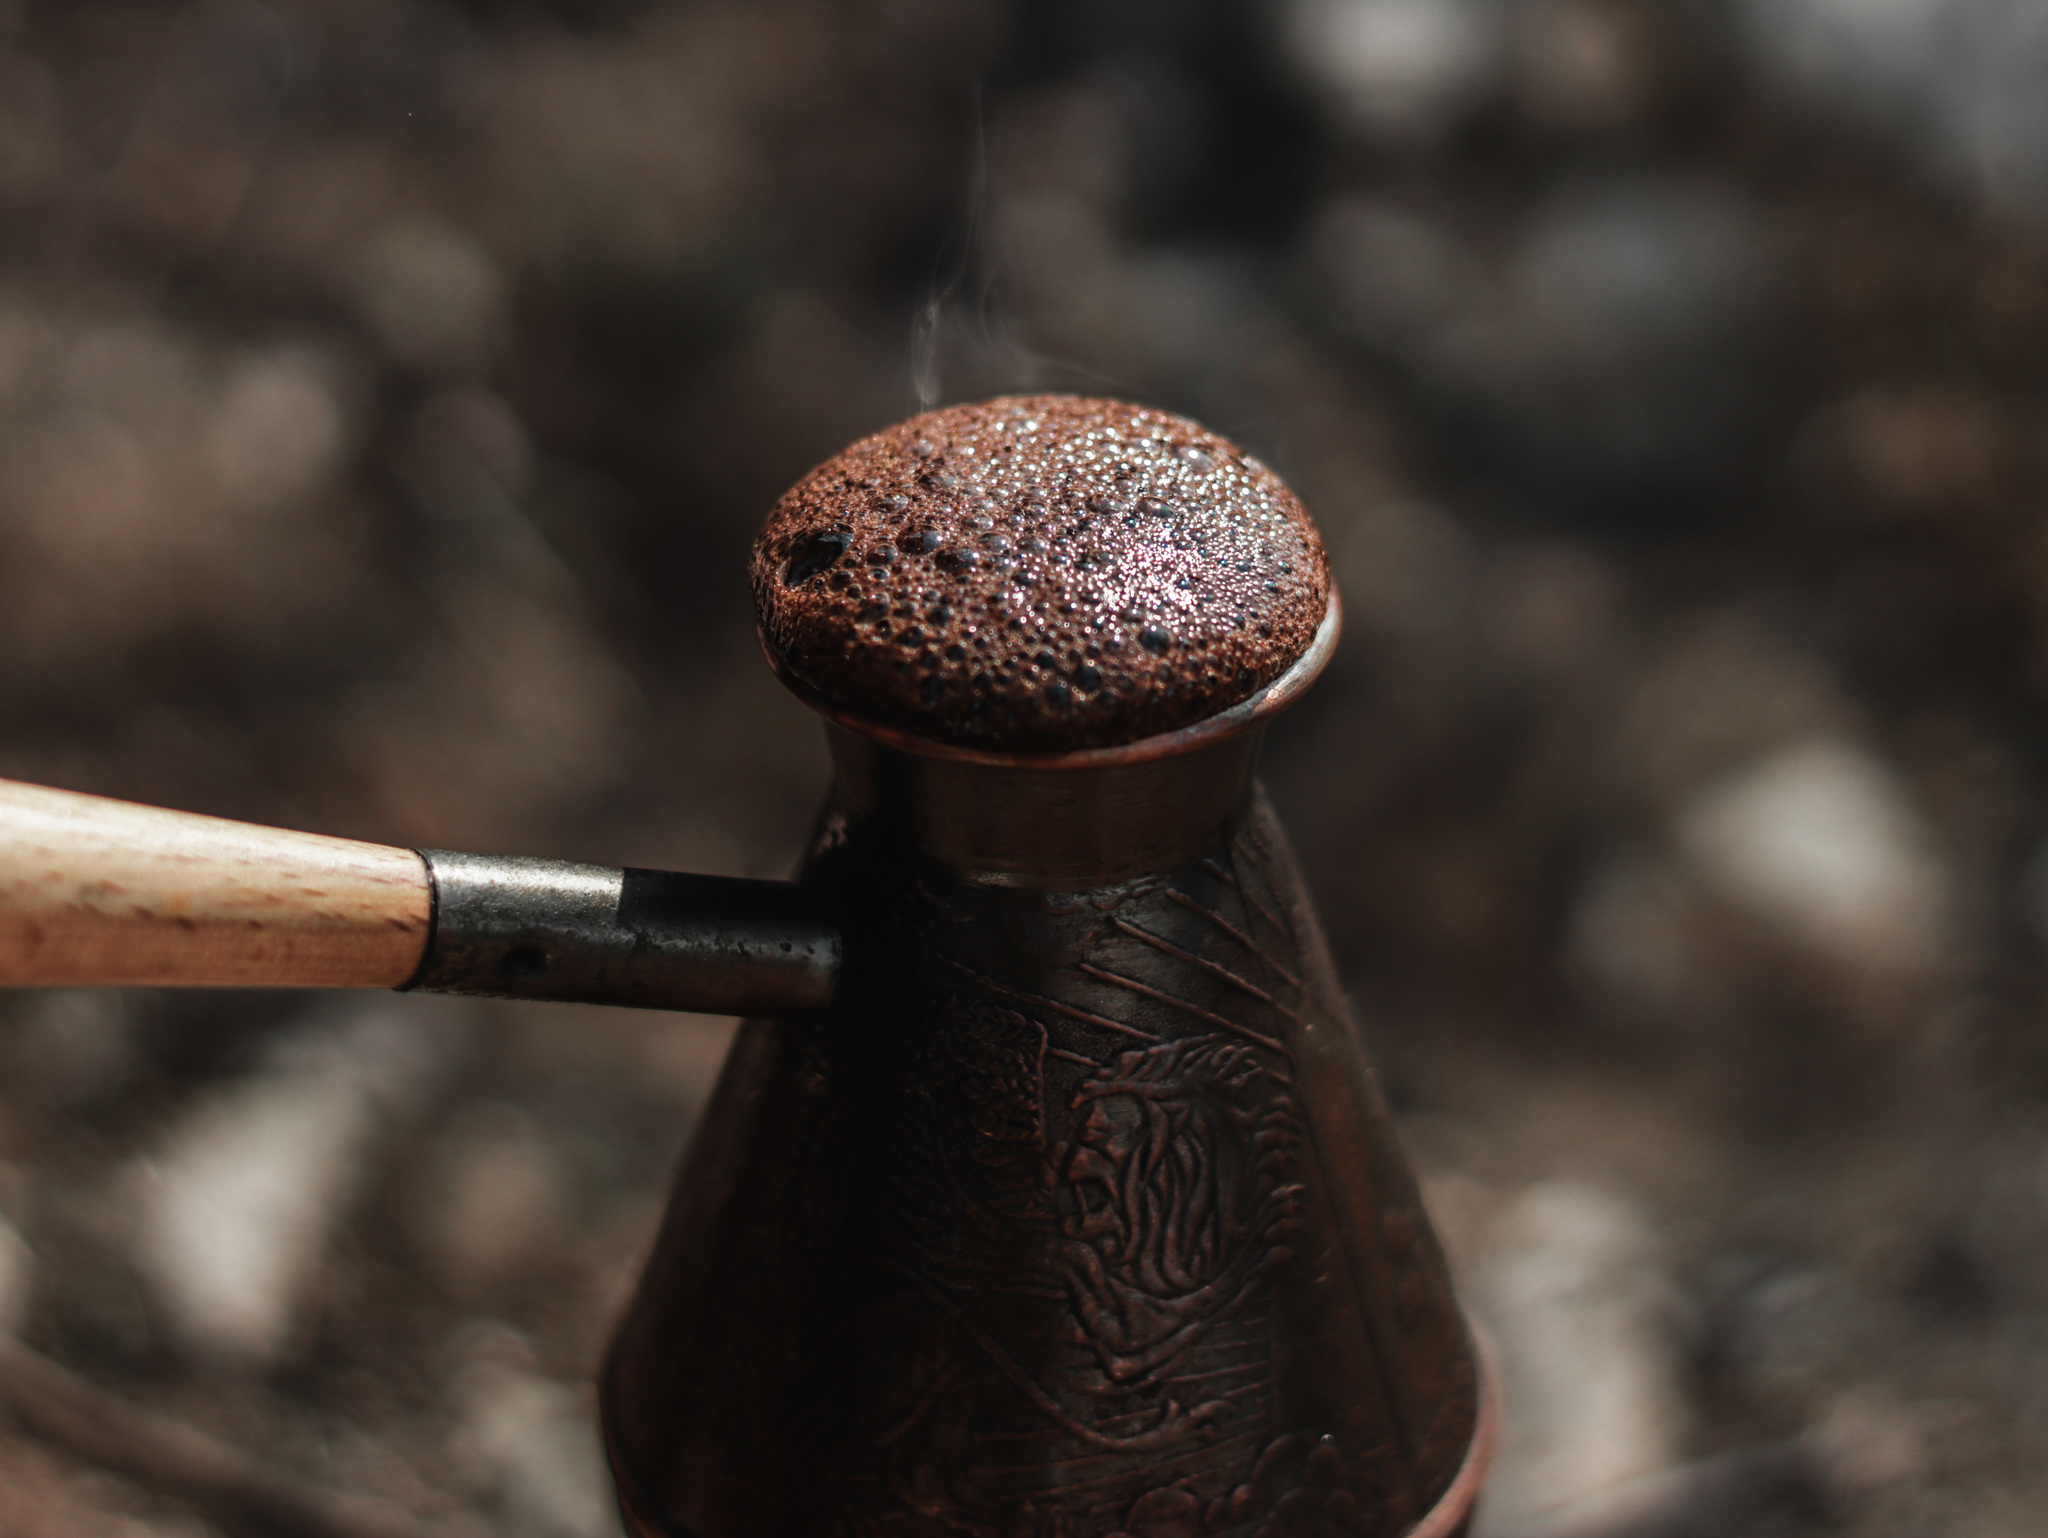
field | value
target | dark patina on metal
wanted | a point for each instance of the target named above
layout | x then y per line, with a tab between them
1078	1214
514	928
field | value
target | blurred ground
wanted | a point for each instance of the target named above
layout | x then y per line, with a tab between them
389	391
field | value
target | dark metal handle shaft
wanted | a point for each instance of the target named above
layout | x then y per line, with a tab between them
506	927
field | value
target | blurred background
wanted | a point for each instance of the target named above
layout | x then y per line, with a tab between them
389	393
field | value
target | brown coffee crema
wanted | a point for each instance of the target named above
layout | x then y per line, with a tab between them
1039	574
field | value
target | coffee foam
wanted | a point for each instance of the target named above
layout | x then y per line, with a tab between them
1036	574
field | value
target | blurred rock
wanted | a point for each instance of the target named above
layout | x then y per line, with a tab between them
1624	319
1714	695
509	713
491	1197
32	147
1575	1296
529	1442
237	1206
432	293
1400	280
1635	933
1785	1324
1401	66
1961	75
1866	1442
1777	1490
279	432
114	418
1625	273
1404	569
1824	840
43	1495
17	1279
1554	611
73	1048
1930	449
1585	65
1605	349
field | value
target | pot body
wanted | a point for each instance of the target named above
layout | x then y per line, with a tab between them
1078	1214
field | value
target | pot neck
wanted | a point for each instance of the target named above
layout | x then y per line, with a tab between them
1057	824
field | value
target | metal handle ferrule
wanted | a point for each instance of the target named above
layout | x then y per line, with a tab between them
516	928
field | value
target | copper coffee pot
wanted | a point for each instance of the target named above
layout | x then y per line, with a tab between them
1049	1193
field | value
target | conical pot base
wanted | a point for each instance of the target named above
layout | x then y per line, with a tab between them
1079	1215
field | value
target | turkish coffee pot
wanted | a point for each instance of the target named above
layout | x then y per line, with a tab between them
1047	1191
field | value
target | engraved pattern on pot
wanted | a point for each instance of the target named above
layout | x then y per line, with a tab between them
1153	1228
1100	1235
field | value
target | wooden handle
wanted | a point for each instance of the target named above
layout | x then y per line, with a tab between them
104	893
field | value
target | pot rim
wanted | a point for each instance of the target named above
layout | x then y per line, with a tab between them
1253	711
